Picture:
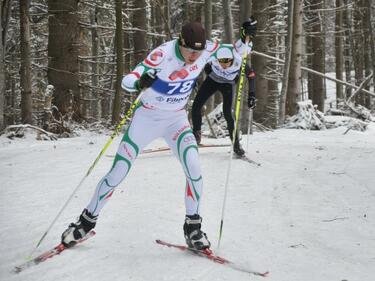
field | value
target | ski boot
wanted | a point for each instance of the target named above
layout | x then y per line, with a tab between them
78	230
198	136
194	236
237	148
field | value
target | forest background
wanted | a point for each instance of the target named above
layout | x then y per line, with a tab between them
63	61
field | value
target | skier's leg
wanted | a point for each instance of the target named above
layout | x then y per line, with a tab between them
182	142
227	91
140	132
206	90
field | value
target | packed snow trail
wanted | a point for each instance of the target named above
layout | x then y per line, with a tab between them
307	213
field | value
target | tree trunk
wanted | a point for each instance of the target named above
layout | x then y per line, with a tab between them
245	10
367	50
372	39
318	55
347	47
228	22
208	18
63	50
95	95
119	64
294	84
358	48
4	21
288	58
139	36
339	50
25	71
260	63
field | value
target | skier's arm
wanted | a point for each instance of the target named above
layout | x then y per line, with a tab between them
144	74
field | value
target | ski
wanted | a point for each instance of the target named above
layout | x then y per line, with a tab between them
49	254
166	148
207	253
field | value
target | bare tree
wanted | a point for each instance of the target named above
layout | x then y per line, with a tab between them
317	49
260	63
119	63
294	83
208	18
358	47
288	59
339	49
368	49
140	25
25	75
63	50
228	22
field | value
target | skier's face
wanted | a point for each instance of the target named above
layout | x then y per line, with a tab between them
225	63
190	55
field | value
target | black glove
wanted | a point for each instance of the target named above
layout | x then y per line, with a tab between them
208	68
248	28
146	80
251	100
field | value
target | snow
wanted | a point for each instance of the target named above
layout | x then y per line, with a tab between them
307	213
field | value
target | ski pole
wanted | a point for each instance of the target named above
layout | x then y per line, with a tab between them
249	128
115	133
236	114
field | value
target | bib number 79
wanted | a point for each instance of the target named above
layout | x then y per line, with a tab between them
180	87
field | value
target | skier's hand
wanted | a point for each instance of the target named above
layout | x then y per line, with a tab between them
251	100
248	29
146	80
208	68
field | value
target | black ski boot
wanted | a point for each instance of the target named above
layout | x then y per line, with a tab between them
78	230
198	136
194	236
237	148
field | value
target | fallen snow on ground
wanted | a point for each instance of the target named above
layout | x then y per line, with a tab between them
306	214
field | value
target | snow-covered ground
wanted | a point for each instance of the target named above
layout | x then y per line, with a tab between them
306	214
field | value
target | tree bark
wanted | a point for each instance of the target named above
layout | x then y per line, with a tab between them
358	47
228	22
288	57
139	36
369	48
25	71
294	84
208	18
245	10
260	64
372	39
63	50
4	23
119	64
318	55
95	96
339	50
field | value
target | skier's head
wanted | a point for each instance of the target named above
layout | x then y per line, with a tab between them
225	57
192	41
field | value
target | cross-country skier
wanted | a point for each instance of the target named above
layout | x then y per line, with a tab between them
165	79
222	75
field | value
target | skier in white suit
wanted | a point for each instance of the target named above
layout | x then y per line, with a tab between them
165	80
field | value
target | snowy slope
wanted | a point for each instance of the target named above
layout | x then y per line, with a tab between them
306	214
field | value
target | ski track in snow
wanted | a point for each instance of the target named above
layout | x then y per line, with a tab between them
307	213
